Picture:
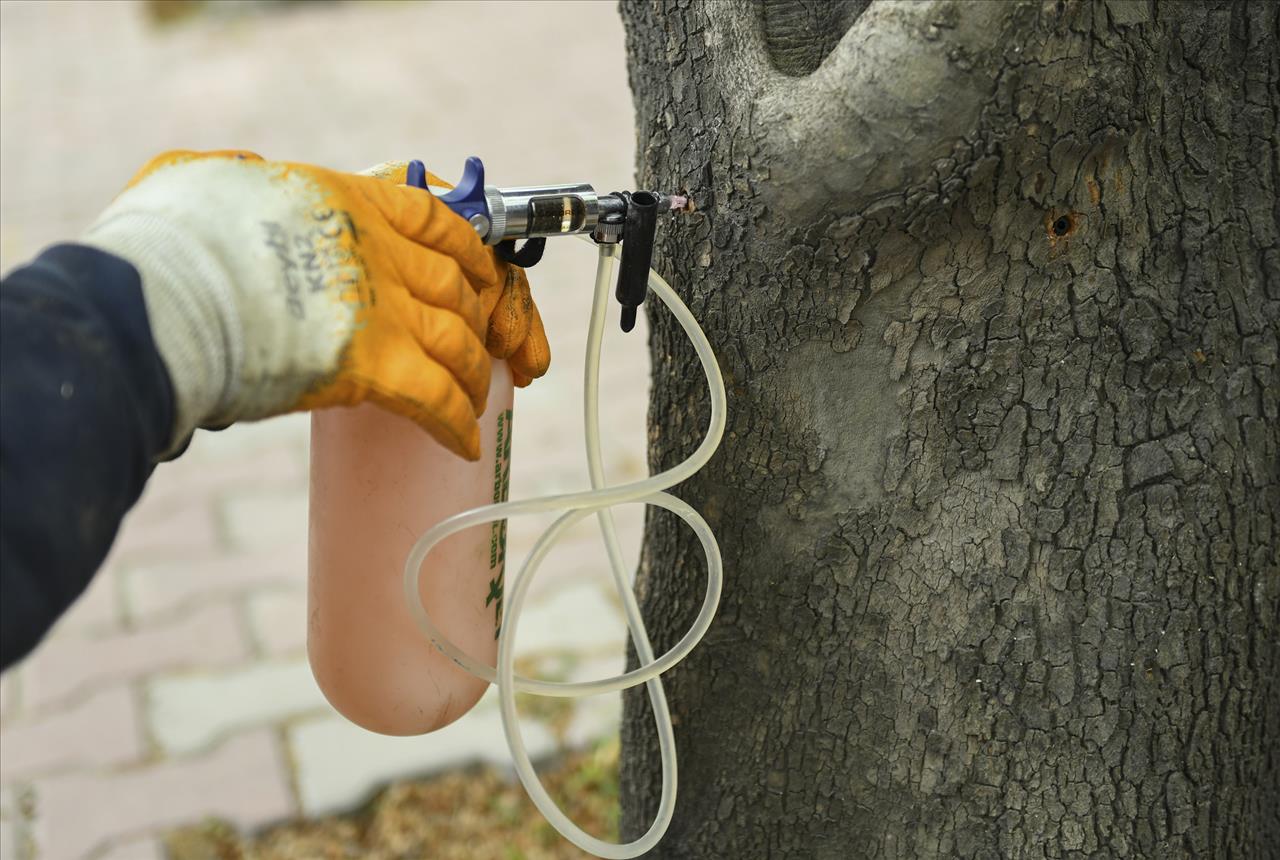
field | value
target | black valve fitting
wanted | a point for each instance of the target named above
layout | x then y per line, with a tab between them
528	255
637	253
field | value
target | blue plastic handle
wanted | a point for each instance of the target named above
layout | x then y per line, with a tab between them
467	197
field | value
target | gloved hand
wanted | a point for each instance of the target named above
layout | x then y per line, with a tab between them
274	287
515	331
515	326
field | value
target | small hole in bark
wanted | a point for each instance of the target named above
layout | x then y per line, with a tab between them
1060	226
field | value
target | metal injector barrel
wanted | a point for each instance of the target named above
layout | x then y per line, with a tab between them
534	211
558	210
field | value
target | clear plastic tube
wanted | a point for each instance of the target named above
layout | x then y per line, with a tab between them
578	506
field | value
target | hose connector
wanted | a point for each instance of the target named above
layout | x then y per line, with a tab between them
637	253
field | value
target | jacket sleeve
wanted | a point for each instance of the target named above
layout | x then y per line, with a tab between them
85	408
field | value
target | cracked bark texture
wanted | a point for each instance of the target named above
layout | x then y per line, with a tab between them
996	290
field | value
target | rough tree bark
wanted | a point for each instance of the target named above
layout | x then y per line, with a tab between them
996	289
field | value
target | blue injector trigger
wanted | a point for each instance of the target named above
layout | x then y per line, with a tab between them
467	197
468	200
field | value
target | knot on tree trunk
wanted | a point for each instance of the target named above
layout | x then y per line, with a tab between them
798	34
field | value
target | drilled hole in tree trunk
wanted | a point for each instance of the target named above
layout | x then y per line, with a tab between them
1061	225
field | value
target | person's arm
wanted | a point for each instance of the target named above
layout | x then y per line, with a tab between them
85	408
220	287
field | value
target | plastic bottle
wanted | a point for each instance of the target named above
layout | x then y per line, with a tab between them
377	482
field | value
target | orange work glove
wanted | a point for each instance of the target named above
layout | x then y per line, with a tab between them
273	287
515	331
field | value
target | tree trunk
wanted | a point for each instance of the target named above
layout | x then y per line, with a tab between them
996	291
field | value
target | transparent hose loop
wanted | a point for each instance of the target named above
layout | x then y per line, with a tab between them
578	506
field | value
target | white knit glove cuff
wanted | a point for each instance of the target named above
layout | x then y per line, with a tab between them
190	301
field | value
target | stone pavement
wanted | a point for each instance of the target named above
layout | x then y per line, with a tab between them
177	688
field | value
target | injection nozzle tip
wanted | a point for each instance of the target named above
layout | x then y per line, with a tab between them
678	201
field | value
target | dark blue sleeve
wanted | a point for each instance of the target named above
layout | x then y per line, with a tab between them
85	409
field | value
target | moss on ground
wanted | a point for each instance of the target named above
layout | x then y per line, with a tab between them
475	814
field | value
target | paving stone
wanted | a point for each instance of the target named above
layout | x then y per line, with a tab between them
265	520
551	458
16	809
101	730
15	841
578	618
278	620
61	667
211	524
595	717
197	474
186	714
338	765
146	848
174	531
95	611
589	718
8	839
10	694
243	781
153	590
251	440
579	556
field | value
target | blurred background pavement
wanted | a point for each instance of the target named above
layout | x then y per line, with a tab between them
177	688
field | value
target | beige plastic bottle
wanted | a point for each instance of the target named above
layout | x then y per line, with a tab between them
377	483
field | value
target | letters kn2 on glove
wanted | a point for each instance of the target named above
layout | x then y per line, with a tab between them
273	287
